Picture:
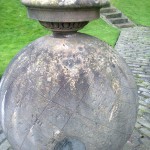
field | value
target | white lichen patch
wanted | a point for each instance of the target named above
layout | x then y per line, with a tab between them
113	112
59	3
108	70
116	86
52	2
69	2
41	2
57	133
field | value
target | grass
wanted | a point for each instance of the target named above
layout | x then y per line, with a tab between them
102	30
17	31
137	10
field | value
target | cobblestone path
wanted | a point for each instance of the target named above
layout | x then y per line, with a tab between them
134	46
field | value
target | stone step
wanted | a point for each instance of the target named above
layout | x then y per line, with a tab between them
115	17
112	15
119	20
108	10
125	25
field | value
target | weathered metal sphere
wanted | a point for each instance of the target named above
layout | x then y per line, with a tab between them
68	93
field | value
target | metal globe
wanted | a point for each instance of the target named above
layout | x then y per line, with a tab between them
68	93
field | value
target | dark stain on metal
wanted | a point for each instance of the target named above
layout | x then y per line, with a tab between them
70	144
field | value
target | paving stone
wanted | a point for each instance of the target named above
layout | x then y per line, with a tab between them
134	46
146	94
144	84
144	109
137	126
140	85
134	141
136	72
144	103
133	65
146	142
128	146
141	147
145	131
144	89
147	101
5	145
138	69
143	122
144	76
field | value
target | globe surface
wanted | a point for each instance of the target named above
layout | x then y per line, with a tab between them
68	93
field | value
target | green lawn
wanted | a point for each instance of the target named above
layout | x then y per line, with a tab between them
102	30
17	31
137	10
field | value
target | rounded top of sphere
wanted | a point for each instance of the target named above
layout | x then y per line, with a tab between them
65	3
